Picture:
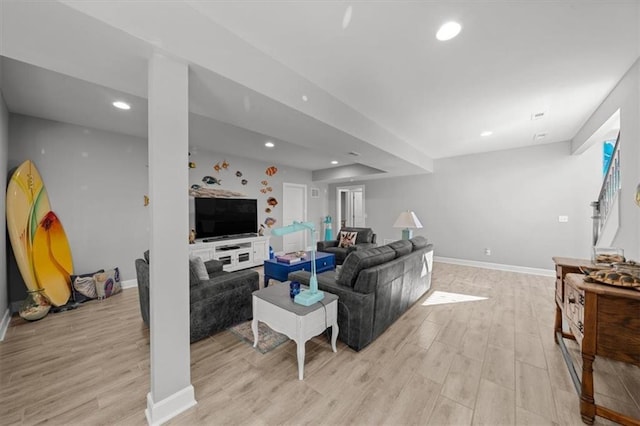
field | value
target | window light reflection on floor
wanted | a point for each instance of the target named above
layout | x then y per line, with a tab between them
443	297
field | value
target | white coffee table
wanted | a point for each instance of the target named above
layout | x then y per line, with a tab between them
273	306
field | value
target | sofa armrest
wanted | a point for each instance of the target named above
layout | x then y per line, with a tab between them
321	245
213	265
142	274
224	282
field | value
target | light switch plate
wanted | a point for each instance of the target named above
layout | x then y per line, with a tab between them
563	219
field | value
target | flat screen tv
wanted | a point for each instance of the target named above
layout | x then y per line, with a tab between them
225	217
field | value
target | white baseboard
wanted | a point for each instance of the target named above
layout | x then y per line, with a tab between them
4	323
497	266
159	412
129	283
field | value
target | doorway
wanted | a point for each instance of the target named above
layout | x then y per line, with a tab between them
350	206
294	208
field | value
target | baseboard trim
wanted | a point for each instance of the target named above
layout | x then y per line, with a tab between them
497	266
129	283
162	411
4	324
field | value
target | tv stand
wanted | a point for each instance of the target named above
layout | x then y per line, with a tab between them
229	237
234	251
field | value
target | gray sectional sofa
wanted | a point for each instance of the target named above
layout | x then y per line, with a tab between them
375	287
215	304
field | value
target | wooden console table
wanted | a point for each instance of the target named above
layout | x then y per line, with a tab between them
605	321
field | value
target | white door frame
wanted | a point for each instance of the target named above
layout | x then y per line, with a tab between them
286	185
347	189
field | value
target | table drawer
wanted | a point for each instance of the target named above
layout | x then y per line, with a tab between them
325	264
574	311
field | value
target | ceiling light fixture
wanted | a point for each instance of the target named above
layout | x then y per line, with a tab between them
304	98
269	144
346	19
334	162
121	105
448	31
486	133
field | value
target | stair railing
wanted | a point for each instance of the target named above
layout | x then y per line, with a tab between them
608	192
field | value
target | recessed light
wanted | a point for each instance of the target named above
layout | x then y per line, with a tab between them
346	19
269	144
334	162
121	105
448	31
486	133
304	98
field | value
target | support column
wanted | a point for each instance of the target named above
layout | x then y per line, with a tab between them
171	390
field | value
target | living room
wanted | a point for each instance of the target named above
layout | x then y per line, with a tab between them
507	200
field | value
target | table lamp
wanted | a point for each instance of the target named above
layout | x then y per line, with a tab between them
407	220
312	295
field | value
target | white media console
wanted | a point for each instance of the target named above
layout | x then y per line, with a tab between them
236	252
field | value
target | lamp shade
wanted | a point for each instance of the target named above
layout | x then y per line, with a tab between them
407	219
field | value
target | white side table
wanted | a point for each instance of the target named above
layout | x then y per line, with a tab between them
273	306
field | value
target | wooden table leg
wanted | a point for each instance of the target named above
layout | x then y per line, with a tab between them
557	326
587	403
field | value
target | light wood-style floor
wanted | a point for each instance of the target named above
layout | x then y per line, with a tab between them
489	362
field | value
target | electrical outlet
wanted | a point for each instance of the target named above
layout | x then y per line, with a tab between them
563	219
487	252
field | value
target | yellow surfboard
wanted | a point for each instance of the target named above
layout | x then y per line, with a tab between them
27	204
38	239
52	260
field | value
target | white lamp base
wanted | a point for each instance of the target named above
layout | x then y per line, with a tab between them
407	234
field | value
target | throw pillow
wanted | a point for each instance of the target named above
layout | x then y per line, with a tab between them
347	239
83	287
198	266
108	283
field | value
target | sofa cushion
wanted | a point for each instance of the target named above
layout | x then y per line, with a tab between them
401	247
213	265
362	259
419	242
199	267
347	239
194	279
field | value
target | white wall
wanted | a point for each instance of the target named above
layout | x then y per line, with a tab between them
97	180
4	148
255	172
626	97
508	201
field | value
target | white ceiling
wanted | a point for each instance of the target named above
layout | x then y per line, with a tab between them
383	86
